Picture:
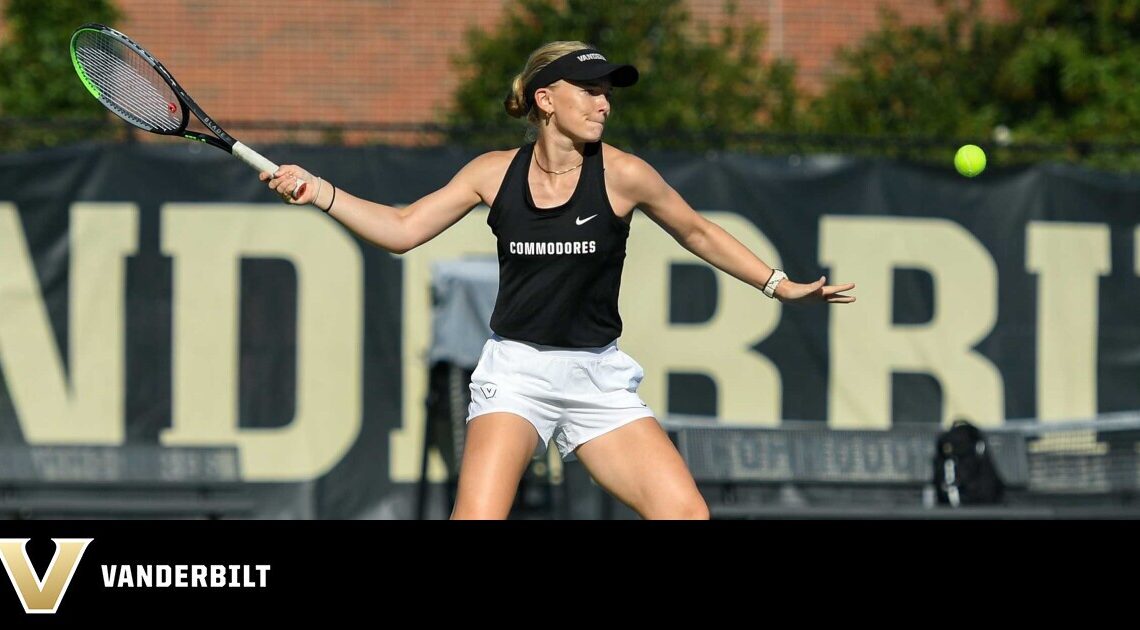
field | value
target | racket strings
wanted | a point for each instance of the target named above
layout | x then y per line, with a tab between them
128	84
123	86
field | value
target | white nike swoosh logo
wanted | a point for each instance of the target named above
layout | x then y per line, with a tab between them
580	220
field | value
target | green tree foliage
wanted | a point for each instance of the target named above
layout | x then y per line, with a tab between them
1063	77
927	80
1074	73
39	81
698	84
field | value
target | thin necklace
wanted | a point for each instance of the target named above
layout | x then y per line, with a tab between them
562	172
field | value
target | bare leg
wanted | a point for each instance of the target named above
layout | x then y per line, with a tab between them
639	465
498	448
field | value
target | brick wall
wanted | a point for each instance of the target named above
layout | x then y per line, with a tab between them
389	60
293	60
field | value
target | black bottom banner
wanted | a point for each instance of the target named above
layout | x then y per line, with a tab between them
178	573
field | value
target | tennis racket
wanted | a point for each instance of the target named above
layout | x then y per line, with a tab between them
134	85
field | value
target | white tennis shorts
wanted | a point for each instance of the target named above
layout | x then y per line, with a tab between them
570	394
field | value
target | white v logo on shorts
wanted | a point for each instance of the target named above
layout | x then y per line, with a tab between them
489	390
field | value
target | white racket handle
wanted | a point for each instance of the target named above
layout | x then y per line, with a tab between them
261	164
254	159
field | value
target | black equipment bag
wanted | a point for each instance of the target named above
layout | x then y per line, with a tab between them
964	470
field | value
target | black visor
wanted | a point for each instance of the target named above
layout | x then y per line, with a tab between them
581	65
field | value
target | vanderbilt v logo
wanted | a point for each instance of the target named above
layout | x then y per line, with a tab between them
42	595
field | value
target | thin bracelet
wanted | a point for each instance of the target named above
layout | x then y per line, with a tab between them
320	187
331	201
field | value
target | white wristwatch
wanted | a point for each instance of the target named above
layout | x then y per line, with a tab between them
773	282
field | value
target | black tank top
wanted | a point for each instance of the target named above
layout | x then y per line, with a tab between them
559	268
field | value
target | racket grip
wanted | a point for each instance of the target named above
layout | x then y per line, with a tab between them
253	158
261	164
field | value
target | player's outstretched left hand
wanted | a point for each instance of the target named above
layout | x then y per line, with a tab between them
818	291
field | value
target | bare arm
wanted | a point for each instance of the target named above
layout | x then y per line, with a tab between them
397	230
641	183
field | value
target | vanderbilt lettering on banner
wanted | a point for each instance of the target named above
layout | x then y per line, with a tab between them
156	295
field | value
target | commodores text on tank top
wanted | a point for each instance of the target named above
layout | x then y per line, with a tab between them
559	268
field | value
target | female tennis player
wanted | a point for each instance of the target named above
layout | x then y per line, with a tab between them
561	208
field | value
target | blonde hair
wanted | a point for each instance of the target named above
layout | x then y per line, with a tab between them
515	102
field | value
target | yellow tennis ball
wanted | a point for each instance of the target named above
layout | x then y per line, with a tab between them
970	160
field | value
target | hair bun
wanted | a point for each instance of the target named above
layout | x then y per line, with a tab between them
515	103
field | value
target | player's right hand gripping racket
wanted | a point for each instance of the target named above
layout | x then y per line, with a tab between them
130	82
